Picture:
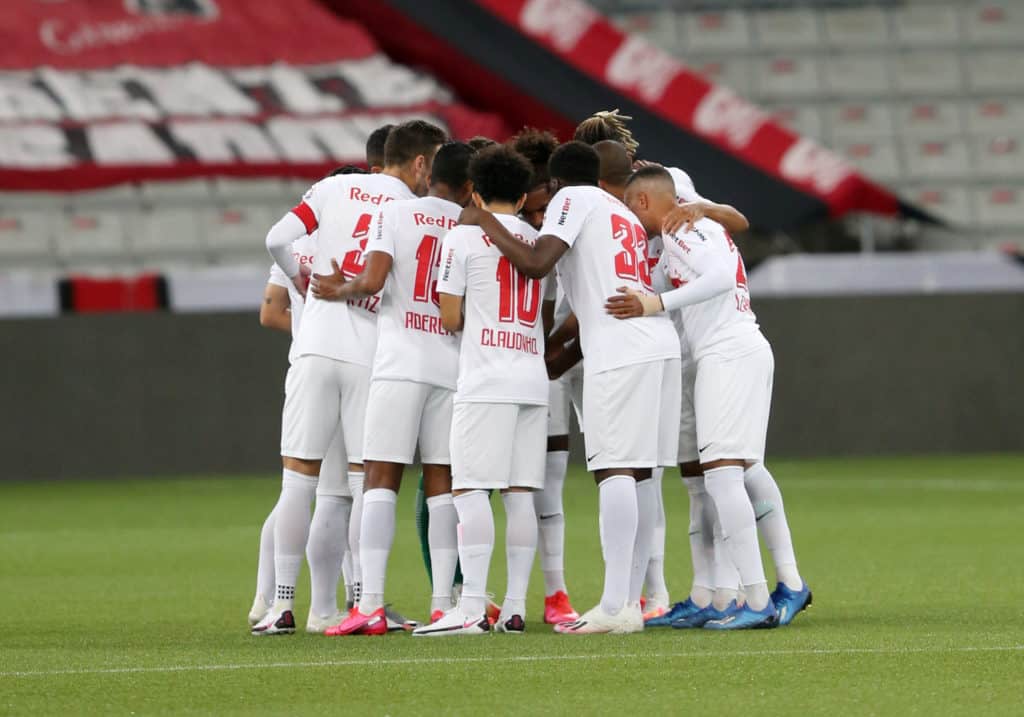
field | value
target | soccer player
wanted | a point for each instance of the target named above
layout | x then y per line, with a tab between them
375	148
329	380
631	377
414	375
564	392
499	423
732	392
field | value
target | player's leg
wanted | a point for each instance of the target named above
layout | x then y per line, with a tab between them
442	533
328	537
481	460
655	586
309	419
423	527
549	506
527	476
264	571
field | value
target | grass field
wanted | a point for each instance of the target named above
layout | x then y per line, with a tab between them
130	598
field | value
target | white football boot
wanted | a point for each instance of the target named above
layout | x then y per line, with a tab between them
258	611
454	622
597	621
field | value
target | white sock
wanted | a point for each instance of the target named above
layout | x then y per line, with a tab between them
265	566
770	514
702	541
654	580
376	535
346	571
520	548
618	522
724	575
476	543
291	530
736	515
442	537
646	507
551	522
355	526
325	550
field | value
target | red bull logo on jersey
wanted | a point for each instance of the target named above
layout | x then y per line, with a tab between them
422	219
360	195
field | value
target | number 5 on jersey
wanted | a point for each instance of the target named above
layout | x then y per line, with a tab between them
352	265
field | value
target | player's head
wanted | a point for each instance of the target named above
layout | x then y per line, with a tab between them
347	169
501	177
480	142
410	150
449	173
616	167
607	124
651	194
375	148
575	163
537	146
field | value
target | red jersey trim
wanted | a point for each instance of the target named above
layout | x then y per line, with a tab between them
303	212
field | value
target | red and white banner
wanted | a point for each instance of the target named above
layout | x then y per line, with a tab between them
94	93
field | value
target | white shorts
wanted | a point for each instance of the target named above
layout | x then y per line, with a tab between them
319	394
400	414
687	416
498	445
565	394
732	398
631	416
334	469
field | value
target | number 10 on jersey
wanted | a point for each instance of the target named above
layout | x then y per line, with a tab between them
519	297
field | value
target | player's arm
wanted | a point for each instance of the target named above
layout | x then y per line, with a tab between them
534	262
334	286
275	311
567	331
686	215
547	316
451	312
561	361
298	222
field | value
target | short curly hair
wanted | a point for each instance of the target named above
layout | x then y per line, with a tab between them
607	124
500	174
537	146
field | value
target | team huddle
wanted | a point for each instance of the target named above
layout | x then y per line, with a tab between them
462	299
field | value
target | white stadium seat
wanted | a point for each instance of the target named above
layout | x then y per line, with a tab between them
929	119
165	233
926	25
935	158
716	31
122	195
1001	156
25	237
236	229
991	22
188	191
926	72
1000	206
658	27
950	203
995	115
801	118
785	30
859	119
786	76
733	72
273	191
861	74
91	236
876	158
996	70
856	27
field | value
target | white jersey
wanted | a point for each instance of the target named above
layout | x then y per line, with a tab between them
342	208
302	250
411	343
724	324
685	191
607	250
501	356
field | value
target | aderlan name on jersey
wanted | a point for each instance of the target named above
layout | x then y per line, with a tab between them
425	323
511	340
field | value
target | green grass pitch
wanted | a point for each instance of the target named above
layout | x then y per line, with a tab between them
130	597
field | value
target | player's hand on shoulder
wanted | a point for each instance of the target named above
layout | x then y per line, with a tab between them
684	216
472	215
630	304
328	286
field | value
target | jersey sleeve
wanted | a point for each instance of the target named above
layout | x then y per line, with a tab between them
565	216
453	265
382	232
310	209
707	255
685	190
277	277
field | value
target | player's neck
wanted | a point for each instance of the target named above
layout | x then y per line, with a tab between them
500	207
440	191
398	172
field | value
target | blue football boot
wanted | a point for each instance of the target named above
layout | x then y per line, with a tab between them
789	602
698	618
744	618
676	612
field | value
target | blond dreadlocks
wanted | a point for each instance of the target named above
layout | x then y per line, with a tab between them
607	124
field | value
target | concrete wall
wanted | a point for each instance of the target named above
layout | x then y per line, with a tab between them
131	394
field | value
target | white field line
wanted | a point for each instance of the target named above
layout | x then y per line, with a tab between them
516	658
965	485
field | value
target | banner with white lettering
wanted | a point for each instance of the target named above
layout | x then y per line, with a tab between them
106	91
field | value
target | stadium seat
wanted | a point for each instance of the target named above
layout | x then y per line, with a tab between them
1000	206
861	74
996	70
32	200
856	27
801	118
91	237
733	72
236	230
876	158
859	119
949	203
658	27
786	76
25	238
990	116
928	158
788	29
991	22
1000	156
926	25
122	195
189	191
926	72
929	119
164	233
716	31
